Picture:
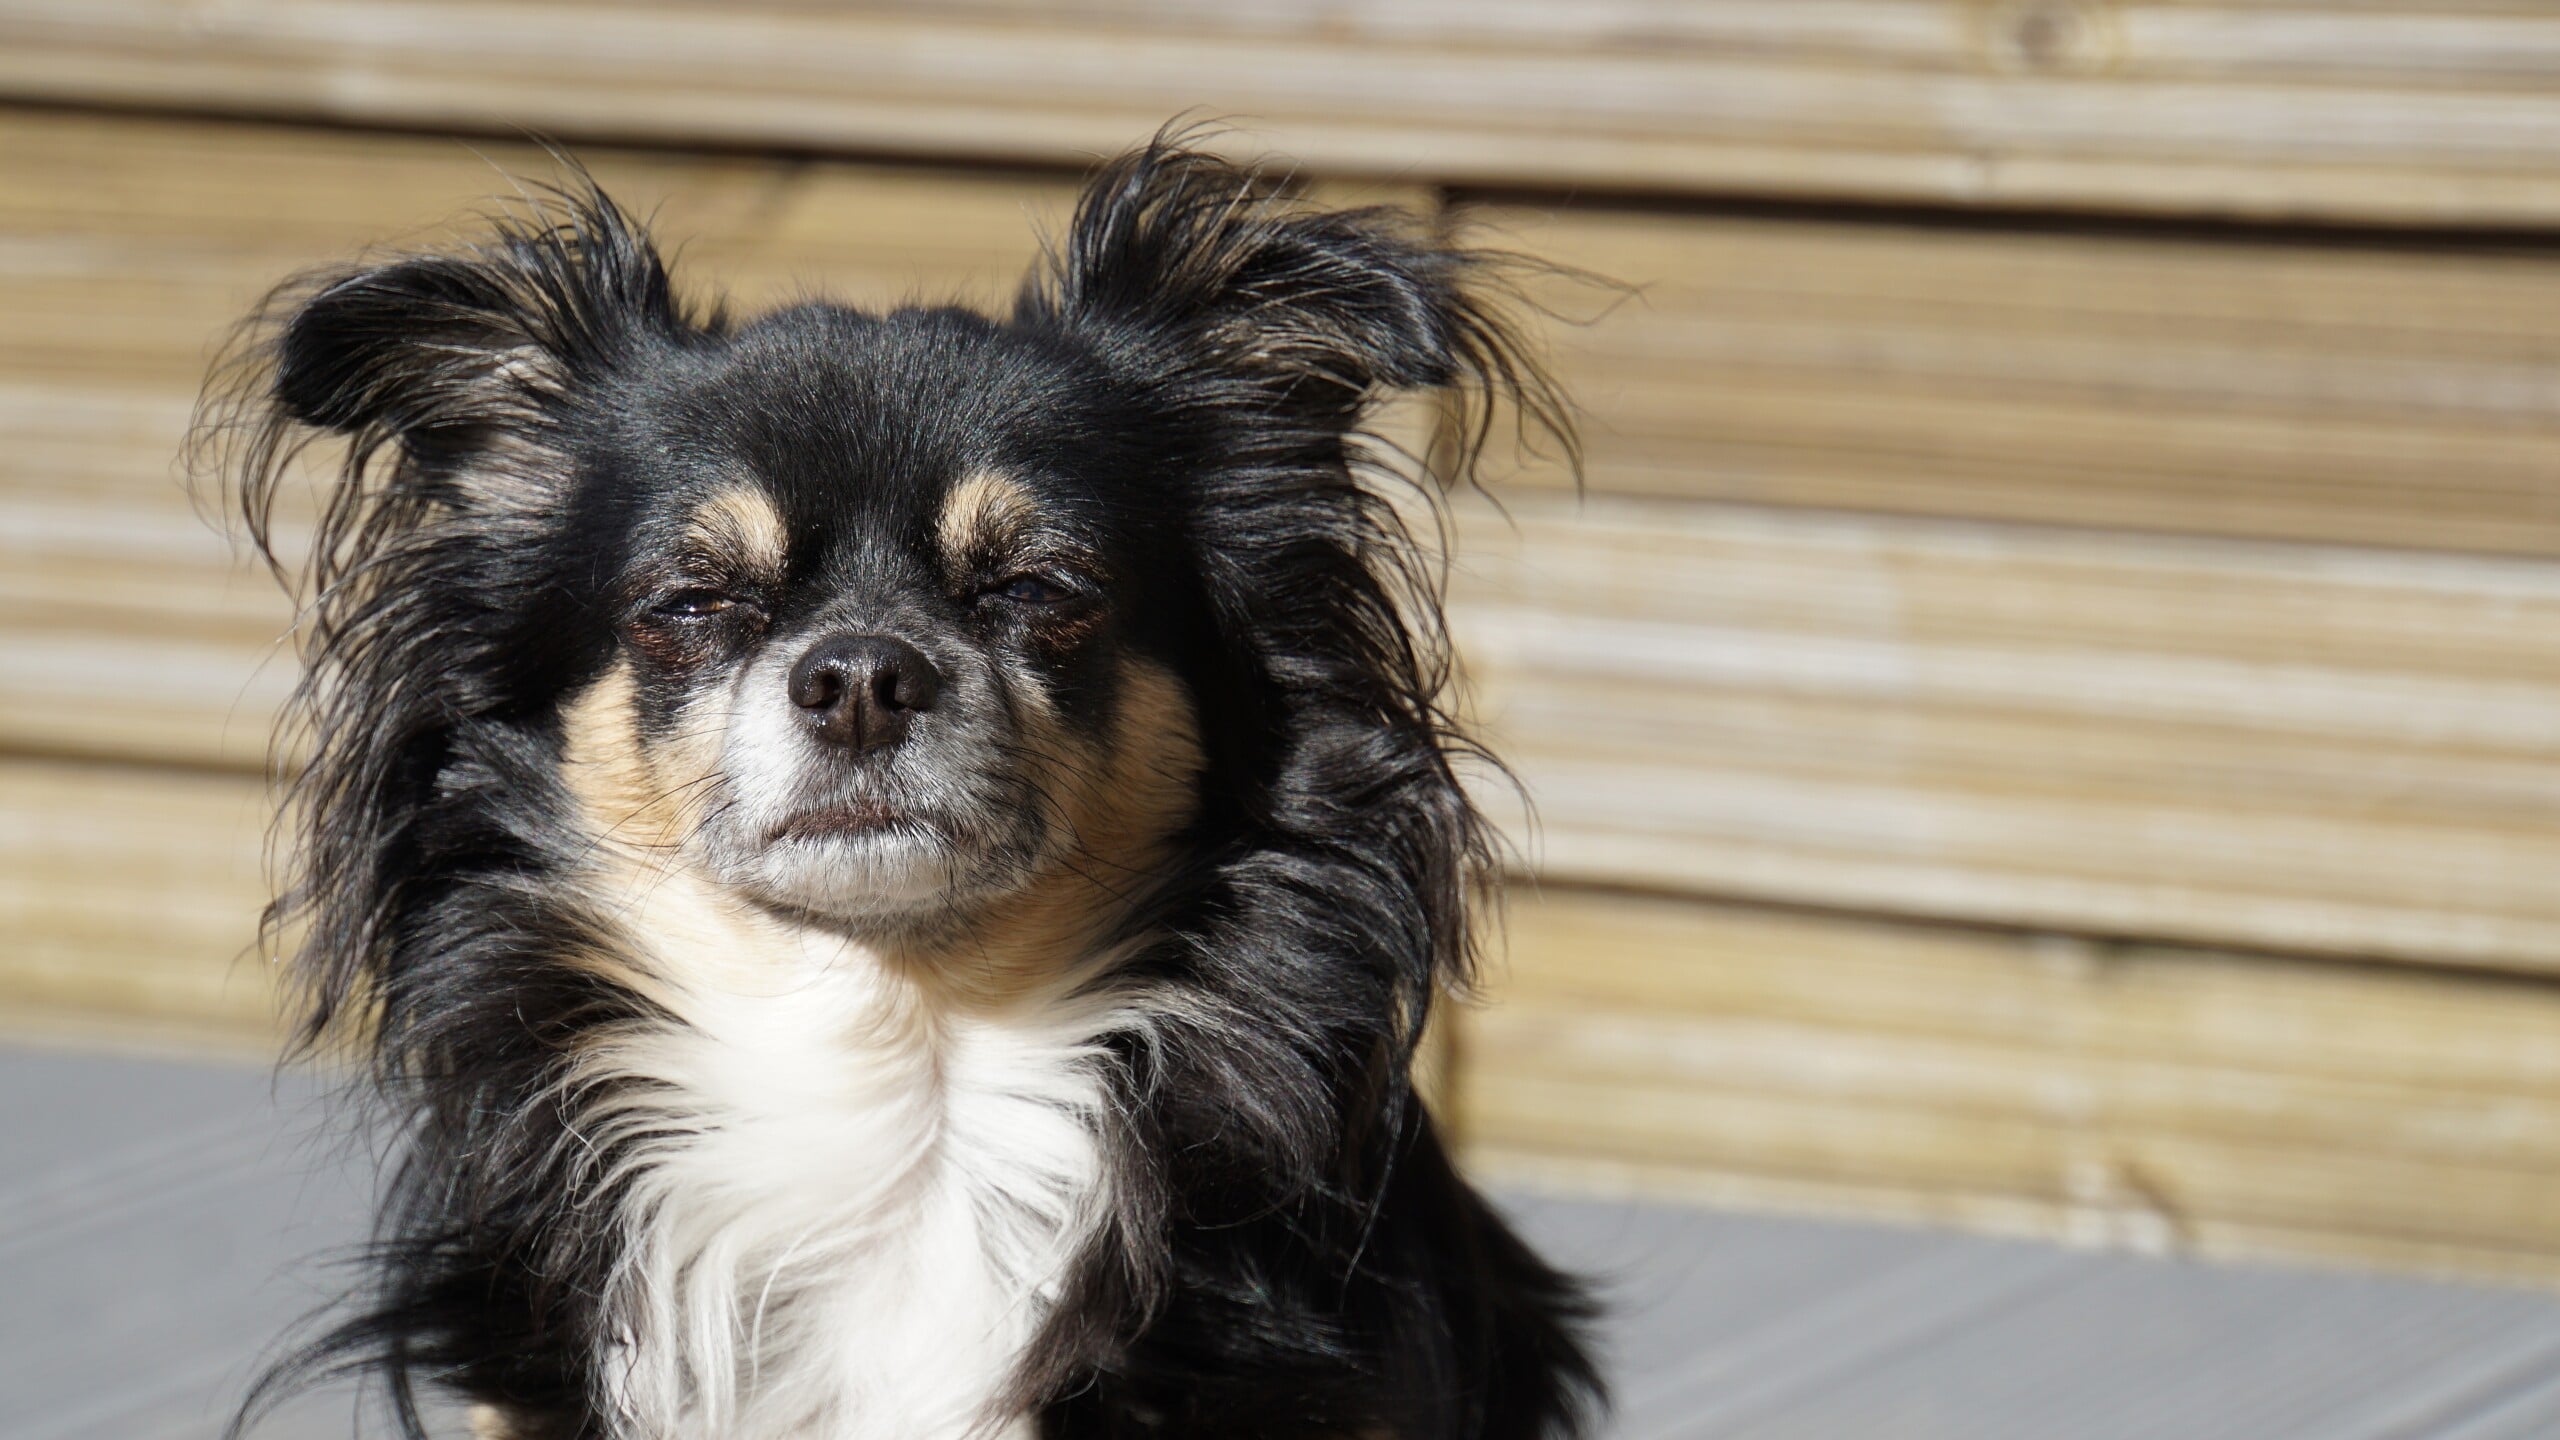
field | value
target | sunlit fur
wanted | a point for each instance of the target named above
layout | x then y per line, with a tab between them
1044	1072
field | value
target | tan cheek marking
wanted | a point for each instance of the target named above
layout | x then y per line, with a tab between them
1122	802
1152	784
637	803
983	510
604	768
740	523
607	769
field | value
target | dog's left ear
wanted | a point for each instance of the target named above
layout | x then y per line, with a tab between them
1172	247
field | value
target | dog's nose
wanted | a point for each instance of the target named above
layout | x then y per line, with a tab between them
861	691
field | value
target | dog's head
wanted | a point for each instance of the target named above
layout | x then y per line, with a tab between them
888	621
875	619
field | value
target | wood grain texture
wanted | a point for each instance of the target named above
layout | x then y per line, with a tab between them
2290	747
2251	716
2165	1099
2387	394
2398	113
2316	748
135	244
132	892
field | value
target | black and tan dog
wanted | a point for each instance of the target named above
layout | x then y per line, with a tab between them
891	864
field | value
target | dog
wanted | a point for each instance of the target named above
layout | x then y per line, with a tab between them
889	866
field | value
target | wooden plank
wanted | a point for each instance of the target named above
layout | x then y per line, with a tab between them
2398	113
129	248
2382	394
132	892
2298	748
133	245
2165	1099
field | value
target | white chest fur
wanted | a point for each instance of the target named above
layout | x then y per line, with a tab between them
849	1204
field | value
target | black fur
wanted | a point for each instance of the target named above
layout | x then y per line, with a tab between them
1297	1257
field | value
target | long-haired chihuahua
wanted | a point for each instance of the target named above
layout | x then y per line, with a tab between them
889	866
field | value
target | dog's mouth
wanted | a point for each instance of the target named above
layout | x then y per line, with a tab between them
847	819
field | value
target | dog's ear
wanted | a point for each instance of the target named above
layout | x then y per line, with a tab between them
1171	246
421	348
452	379
1255	333
406	347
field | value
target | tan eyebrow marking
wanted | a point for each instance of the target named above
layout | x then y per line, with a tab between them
981	512
739	524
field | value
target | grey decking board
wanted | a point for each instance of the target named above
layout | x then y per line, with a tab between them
2527	1410
2376	1357
157	1223
63	1113
201	1281
199	1410
2132	1348
152	1220
1737	1313
2513	1386
1671	1285
1813	1349
182	1276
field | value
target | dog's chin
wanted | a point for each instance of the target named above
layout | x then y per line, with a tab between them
860	865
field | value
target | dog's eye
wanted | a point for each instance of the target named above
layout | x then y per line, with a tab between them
1029	590
699	603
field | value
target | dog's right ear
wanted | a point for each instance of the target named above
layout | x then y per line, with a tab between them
448	377
406	347
422	347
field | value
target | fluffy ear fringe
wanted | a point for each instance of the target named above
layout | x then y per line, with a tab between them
418	370
1330	309
1272	330
426	354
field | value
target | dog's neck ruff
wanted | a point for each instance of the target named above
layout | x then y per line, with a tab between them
847	1202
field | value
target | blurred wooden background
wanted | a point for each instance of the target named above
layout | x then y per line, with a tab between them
2047	717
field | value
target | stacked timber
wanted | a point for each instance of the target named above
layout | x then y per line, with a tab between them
2044	712
2081	707
2393	112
